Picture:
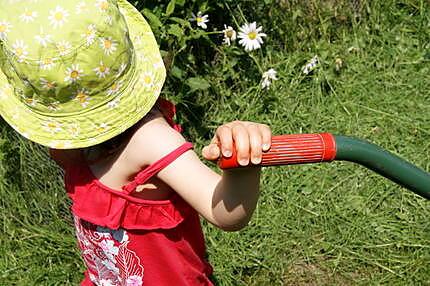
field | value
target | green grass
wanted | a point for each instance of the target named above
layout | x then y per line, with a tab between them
328	224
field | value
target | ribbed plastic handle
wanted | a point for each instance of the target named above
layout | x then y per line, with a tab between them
293	149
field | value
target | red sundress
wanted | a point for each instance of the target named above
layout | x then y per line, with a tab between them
131	241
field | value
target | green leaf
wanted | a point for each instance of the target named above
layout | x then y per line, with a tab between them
181	21
170	7
175	30
197	83
177	72
152	18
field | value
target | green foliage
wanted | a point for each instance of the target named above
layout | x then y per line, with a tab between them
334	224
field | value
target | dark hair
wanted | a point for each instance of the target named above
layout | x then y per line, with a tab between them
108	148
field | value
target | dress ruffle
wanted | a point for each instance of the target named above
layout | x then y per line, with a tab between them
106	207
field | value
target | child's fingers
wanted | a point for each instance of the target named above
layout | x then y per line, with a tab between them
224	138
211	152
242	143
255	141
266	135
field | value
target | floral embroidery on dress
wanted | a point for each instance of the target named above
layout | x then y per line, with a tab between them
107	256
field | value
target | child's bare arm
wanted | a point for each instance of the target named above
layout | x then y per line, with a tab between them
227	201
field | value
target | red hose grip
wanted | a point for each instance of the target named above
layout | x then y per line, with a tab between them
292	149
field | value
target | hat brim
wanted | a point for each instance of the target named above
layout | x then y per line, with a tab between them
107	120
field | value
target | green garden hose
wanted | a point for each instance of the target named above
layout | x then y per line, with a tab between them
325	147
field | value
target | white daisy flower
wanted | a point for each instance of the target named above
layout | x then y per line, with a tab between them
43	39
108	45
82	96
81	7
102	127
102	5
114	103
46	84
73	74
63	47
311	65
90	34
20	50
4	29
54	106
147	79
102	70
58	17
229	35
46	64
268	77
60	144
74	130
114	88
31	101
52	126
28	16
200	19
250	36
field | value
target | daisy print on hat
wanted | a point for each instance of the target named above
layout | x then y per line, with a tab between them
76	61
58	17
4	29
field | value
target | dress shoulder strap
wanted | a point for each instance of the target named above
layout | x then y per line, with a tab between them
143	176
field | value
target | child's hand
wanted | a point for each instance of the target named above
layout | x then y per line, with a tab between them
250	140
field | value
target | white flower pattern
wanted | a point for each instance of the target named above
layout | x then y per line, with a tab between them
4	29
104	252
58	17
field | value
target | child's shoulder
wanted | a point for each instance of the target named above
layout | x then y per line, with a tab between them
153	139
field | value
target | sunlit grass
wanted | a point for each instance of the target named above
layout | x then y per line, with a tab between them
329	224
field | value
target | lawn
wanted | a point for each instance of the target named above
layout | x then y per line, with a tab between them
320	224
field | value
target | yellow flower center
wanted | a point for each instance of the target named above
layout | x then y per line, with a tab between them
58	16
102	69
252	35
61	48
114	87
28	14
47	61
52	125
74	74
2	28
104	5
50	85
147	79
81	97
199	19
101	128
19	51
108	44
30	100
229	34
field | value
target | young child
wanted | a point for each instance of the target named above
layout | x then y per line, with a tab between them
83	78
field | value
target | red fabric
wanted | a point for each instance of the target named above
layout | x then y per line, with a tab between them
164	241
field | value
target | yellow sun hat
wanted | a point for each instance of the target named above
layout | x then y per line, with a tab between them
76	73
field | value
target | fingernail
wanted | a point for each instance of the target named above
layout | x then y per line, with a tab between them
243	162
256	160
227	153
266	147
